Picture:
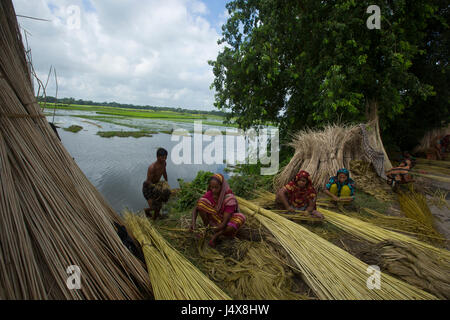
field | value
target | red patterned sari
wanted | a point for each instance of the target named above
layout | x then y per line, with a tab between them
226	203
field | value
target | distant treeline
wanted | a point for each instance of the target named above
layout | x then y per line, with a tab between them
72	101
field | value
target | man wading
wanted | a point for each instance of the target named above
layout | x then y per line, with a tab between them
156	192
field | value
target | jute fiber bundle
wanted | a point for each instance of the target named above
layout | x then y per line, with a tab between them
429	140
172	276
375	234
323	152
329	271
418	267
414	206
254	272
51	215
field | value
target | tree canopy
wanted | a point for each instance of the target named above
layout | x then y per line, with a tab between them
299	63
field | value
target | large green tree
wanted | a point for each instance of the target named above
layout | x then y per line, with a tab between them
302	63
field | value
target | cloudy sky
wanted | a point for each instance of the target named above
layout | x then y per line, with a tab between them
151	52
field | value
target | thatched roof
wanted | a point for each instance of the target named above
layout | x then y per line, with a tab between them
51	216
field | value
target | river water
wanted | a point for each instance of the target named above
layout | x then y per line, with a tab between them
117	166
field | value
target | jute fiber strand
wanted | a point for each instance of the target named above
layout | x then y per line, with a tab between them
254	272
415	266
375	234
52	217
323	152
329	271
173	277
429	140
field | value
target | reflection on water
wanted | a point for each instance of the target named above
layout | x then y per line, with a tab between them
117	167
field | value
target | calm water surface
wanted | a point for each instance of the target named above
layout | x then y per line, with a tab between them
117	166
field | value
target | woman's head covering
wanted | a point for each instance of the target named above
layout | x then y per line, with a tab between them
344	171
304	174
224	190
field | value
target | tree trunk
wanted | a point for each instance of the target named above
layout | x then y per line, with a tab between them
375	136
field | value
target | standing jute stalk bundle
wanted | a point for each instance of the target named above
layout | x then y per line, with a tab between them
52	217
329	271
172	276
429	140
323	152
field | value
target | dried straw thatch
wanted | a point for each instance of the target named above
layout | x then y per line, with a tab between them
51	216
429	140
329	271
322	153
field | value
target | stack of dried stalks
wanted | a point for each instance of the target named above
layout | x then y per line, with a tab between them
414	206
429	140
404	225
368	181
322	153
374	234
172	276
254	271
415	266
51	216
329	271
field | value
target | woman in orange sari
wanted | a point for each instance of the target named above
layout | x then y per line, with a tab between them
219	208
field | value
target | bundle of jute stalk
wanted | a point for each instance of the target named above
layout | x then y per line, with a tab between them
51	215
329	271
417	267
375	234
254	271
429	140
172	276
414	206
323	152
404	225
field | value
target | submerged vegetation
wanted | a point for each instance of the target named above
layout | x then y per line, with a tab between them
125	134
73	129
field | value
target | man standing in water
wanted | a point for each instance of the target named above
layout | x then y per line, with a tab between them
156	192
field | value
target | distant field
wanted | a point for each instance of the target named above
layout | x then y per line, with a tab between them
132	113
111	114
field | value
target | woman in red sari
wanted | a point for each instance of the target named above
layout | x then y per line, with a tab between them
299	194
218	207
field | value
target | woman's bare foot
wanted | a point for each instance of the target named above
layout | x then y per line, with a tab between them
317	214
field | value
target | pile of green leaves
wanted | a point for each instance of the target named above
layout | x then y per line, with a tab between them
190	192
246	184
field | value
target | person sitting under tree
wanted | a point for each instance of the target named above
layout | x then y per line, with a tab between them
300	195
401	174
156	192
341	187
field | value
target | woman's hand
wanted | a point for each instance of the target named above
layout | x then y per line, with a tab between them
291	209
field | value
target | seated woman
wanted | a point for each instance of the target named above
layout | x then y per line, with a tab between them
341	187
299	195
401	174
218	207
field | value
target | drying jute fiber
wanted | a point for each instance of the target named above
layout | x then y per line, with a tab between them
51	215
332	273
254	272
323	152
414	206
375	234
172	276
418	267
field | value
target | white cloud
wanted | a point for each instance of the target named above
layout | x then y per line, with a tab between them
142	52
